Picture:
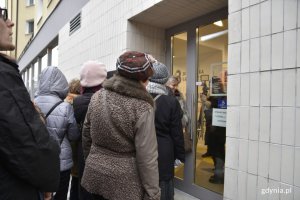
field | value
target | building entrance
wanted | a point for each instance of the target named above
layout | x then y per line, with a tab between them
197	55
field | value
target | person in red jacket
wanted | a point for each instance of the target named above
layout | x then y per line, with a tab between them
29	156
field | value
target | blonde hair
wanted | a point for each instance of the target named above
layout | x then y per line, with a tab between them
173	80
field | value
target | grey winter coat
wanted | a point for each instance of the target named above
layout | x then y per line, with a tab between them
61	123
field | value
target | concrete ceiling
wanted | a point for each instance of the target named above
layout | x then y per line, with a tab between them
169	13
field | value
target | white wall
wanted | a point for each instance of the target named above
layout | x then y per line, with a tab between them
263	131
105	33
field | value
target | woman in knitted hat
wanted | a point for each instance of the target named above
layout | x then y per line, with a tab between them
92	75
119	139
168	126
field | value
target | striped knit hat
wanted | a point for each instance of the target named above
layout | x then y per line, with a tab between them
135	65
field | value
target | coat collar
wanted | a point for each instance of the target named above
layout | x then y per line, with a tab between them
128	87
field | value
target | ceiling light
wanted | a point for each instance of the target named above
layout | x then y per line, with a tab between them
218	23
213	35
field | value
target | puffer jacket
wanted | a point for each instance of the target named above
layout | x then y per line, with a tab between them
119	143
61	123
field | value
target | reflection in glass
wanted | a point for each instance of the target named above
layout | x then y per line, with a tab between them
179	55
211	105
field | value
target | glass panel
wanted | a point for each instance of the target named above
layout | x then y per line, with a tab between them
44	61
211	106
35	78
179	56
55	56
30	80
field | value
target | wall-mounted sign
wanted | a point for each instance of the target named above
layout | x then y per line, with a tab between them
219	117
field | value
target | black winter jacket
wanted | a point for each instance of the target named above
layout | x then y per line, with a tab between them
29	157
169	134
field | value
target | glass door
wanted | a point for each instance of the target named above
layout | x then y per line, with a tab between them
211	84
197	56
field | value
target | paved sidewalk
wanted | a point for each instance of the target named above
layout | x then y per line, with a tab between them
179	195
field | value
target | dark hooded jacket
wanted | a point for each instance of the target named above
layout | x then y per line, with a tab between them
29	157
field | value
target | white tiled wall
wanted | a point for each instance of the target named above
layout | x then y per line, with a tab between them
105	33
266	107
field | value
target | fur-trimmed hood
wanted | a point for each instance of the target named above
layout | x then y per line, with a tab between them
128	87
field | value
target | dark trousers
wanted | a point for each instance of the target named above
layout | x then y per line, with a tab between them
74	193
98	197
62	191
167	189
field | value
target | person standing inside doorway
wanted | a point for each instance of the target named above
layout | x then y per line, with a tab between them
29	156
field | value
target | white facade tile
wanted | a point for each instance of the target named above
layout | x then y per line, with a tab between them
245	3
232	155
245	89
245	24
289	87
274	185
242	185
290	14
276	88
296	192
298	46
288	193
290	49
298	89
253	157
263	159
265	89
244	123
234	87
252	2
277	16
265	53
265	18
265	123
232	123
254	21
235	28
234	58
277	51
297	167
254	89
234	5
275	161
251	186
297	134
276	125
287	162
243	155
254	55
245	51
230	183
262	185
288	125
254	123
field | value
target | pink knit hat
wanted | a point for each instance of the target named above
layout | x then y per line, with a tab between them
92	73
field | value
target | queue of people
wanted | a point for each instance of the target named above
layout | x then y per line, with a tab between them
116	138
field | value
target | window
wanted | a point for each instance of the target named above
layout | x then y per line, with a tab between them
30	2
29	27
39	12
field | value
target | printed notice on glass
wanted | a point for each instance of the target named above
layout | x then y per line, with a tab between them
219	117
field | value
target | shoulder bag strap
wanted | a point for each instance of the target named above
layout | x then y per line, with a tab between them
53	107
157	96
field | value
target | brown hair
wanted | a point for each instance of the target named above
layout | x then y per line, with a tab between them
74	86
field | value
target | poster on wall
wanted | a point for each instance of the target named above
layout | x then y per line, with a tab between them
218	82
